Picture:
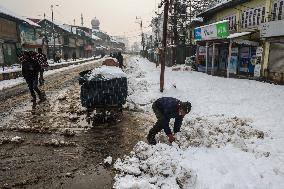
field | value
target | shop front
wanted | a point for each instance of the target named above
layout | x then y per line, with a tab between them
212	47
224	54
8	42
273	68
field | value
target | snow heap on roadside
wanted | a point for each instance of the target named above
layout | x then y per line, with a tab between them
107	72
232	138
159	166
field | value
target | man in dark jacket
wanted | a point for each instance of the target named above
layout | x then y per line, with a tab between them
30	71
166	108
119	58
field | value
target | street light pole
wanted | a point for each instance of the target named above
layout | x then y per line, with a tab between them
53	33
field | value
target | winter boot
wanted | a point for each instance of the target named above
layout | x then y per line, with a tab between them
151	138
33	100
42	97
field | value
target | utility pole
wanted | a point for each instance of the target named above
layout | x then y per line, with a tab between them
175	32
82	20
143	37
163	56
53	32
45	41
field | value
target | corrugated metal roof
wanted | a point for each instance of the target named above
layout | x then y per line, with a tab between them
221	6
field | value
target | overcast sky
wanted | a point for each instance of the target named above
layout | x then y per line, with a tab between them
116	16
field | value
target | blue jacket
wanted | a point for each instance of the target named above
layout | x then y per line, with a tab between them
168	106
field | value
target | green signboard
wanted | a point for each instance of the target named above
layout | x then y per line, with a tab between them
223	29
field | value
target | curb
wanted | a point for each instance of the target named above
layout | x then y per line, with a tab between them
16	74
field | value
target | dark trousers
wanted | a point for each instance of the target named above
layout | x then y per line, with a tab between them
160	119
41	80
33	86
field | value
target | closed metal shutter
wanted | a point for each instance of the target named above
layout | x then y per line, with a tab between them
276	58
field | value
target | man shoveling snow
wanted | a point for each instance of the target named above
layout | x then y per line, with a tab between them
166	108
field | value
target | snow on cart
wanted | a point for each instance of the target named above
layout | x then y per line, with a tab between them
103	92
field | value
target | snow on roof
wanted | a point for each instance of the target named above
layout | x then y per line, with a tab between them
197	19
218	5
96	37
61	25
7	12
221	5
235	35
107	72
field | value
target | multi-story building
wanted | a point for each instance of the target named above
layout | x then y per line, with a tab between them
232	40
15	32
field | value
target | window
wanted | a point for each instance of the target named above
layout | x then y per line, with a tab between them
250	17
263	15
254	17
246	19
258	16
280	13
274	11
232	22
235	23
243	20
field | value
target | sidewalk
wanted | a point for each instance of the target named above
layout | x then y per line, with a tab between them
16	72
53	68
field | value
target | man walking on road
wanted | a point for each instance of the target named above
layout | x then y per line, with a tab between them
119	58
166	108
30	71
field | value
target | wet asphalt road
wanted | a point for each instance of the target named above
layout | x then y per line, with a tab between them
54	146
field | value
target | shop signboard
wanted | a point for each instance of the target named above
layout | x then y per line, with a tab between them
272	29
27	35
218	30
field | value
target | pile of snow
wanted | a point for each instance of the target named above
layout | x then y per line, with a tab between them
160	166
15	140
59	143
232	138
108	160
107	72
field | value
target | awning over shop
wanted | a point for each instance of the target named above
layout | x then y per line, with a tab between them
236	35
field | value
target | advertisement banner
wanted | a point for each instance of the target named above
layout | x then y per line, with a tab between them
201	51
197	34
257	69
233	65
259	51
217	30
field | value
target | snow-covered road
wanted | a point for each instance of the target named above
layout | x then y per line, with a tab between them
233	138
